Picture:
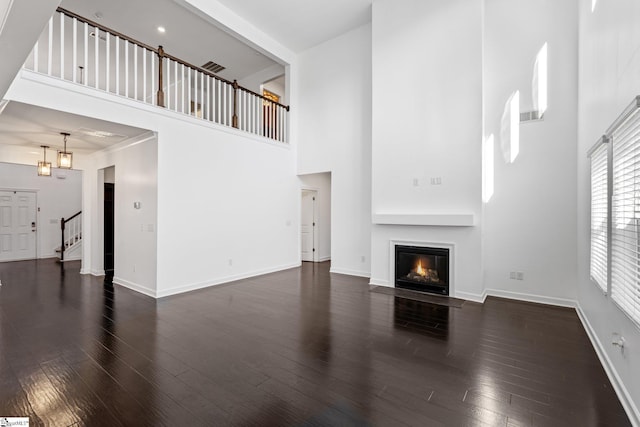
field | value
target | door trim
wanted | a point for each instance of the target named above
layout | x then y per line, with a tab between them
37	239
315	235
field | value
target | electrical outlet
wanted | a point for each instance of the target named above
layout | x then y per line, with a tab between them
230	262
436	180
363	258
416	182
512	275
519	275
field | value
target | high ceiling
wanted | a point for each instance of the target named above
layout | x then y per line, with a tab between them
300	25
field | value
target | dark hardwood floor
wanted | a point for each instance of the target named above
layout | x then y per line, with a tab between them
301	347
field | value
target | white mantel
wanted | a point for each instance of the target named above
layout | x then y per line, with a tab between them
438	220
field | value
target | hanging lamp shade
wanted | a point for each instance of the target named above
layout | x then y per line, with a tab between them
65	158
44	167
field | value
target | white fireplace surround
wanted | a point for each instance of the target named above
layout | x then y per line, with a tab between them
440	245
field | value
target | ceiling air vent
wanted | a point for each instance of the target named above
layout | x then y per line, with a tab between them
213	67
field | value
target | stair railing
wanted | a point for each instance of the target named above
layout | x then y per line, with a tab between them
71	232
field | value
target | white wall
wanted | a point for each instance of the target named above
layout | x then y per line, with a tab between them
56	198
334	116
321	182
132	167
254	81
529	221
20	25
427	104
222	194
608	81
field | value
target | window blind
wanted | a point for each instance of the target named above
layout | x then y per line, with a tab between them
625	259
599	216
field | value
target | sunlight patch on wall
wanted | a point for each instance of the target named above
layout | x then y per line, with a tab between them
510	128
488	171
515	126
539	85
593	5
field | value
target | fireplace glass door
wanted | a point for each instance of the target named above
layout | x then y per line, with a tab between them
422	269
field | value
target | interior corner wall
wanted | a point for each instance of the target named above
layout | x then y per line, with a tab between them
334	134
427	124
58	196
529	222
321	182
609	43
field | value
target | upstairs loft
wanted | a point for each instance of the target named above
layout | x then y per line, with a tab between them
84	52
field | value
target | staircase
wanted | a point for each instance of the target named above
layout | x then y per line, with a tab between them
70	235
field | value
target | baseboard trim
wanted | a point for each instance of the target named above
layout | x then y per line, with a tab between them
468	296
627	402
134	287
379	282
222	280
324	258
96	272
349	272
560	302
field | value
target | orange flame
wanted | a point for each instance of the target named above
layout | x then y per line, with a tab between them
420	270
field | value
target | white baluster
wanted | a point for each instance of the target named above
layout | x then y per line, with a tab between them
175	85
144	74
96	55
85	75
50	56
154	91
117	65
74	61
126	68
193	109
62	45
108	61
135	71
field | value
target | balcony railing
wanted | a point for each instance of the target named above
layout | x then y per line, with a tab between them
76	49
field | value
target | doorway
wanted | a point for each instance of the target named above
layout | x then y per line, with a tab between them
109	224
18	211
309	226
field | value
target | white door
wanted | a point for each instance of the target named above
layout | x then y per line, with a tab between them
17	225
308	225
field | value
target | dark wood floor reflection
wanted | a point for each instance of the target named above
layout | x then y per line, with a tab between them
301	347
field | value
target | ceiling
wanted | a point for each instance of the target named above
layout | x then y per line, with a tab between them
300	25
29	126
296	24
187	36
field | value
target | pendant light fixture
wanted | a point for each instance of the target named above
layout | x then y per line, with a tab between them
44	167
65	158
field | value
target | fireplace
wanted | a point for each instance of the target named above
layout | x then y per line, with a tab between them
422	268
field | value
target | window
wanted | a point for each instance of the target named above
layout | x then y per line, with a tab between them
625	259
615	211
599	215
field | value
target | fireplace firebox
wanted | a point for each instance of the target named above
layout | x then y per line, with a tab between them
422	269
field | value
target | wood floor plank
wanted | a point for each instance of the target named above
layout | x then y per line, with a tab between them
300	347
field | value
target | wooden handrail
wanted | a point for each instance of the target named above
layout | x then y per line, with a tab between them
63	222
71	217
162	54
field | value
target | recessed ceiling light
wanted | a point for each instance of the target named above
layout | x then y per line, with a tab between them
161	29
